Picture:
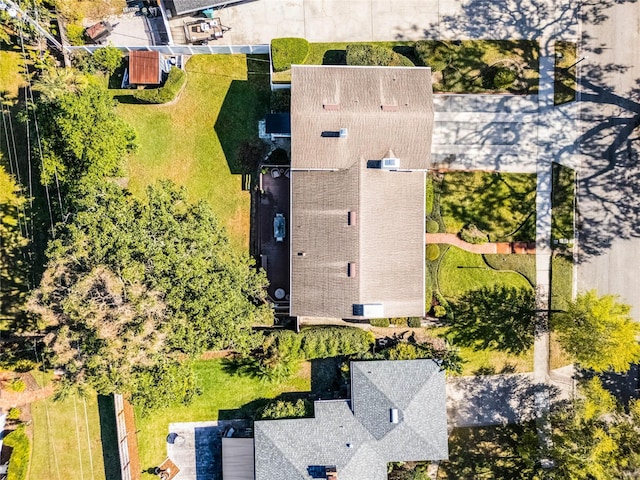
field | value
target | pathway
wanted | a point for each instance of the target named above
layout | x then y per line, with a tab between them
488	248
452	239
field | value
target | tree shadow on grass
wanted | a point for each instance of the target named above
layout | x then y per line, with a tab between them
245	103
108	437
499	318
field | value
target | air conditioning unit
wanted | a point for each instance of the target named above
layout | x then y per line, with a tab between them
390	164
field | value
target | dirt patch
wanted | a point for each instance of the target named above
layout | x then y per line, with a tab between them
216	354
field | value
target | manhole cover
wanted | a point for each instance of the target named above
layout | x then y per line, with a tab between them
279	293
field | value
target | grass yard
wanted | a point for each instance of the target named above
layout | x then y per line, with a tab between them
561	281
502	205
564	86
61	446
11	69
466	69
525	265
223	393
194	140
488	362
461	271
562	203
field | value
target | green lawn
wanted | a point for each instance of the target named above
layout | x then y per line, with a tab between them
565	72
523	264
485	362
562	202
222	394
11	69
561	281
61	449
500	204
194	140
461	271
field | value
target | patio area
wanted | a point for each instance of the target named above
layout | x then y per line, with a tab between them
196	447
273	199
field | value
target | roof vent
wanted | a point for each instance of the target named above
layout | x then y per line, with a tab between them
331	106
343	133
393	415
390	163
389	108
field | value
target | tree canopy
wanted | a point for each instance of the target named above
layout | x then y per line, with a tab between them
599	332
593	438
81	134
130	283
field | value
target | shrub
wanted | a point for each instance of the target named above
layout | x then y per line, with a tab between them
472	234
399	321
18	385
437	55
19	460
439	311
75	34
379	322
335	341
278	157
429	196
24	365
281	100
283	409
107	59
250	155
374	55
175	81
14	414
433	252
432	226
503	78
414	322
288	51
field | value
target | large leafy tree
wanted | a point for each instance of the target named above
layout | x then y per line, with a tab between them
81	133
131	285
599	332
593	438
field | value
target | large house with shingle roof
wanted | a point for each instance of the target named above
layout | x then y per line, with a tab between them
360	148
397	412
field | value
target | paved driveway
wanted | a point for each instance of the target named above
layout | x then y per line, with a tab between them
610	173
259	21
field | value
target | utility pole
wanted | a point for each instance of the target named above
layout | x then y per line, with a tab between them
15	11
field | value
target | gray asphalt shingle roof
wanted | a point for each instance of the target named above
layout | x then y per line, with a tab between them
358	437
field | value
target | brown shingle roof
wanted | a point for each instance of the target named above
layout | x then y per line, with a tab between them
332	176
144	67
328	98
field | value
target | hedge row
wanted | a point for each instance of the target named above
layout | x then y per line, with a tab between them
19	460
375	56
166	93
324	342
288	51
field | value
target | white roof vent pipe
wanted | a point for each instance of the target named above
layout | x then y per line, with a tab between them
393	415
343	133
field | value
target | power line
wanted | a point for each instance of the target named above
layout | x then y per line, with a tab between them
46	409
75	410
46	188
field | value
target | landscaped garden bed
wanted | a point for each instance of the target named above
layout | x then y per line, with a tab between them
469	66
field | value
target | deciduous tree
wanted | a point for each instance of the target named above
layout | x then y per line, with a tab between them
599	332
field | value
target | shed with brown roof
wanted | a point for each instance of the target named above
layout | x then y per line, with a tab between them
361	142
144	68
